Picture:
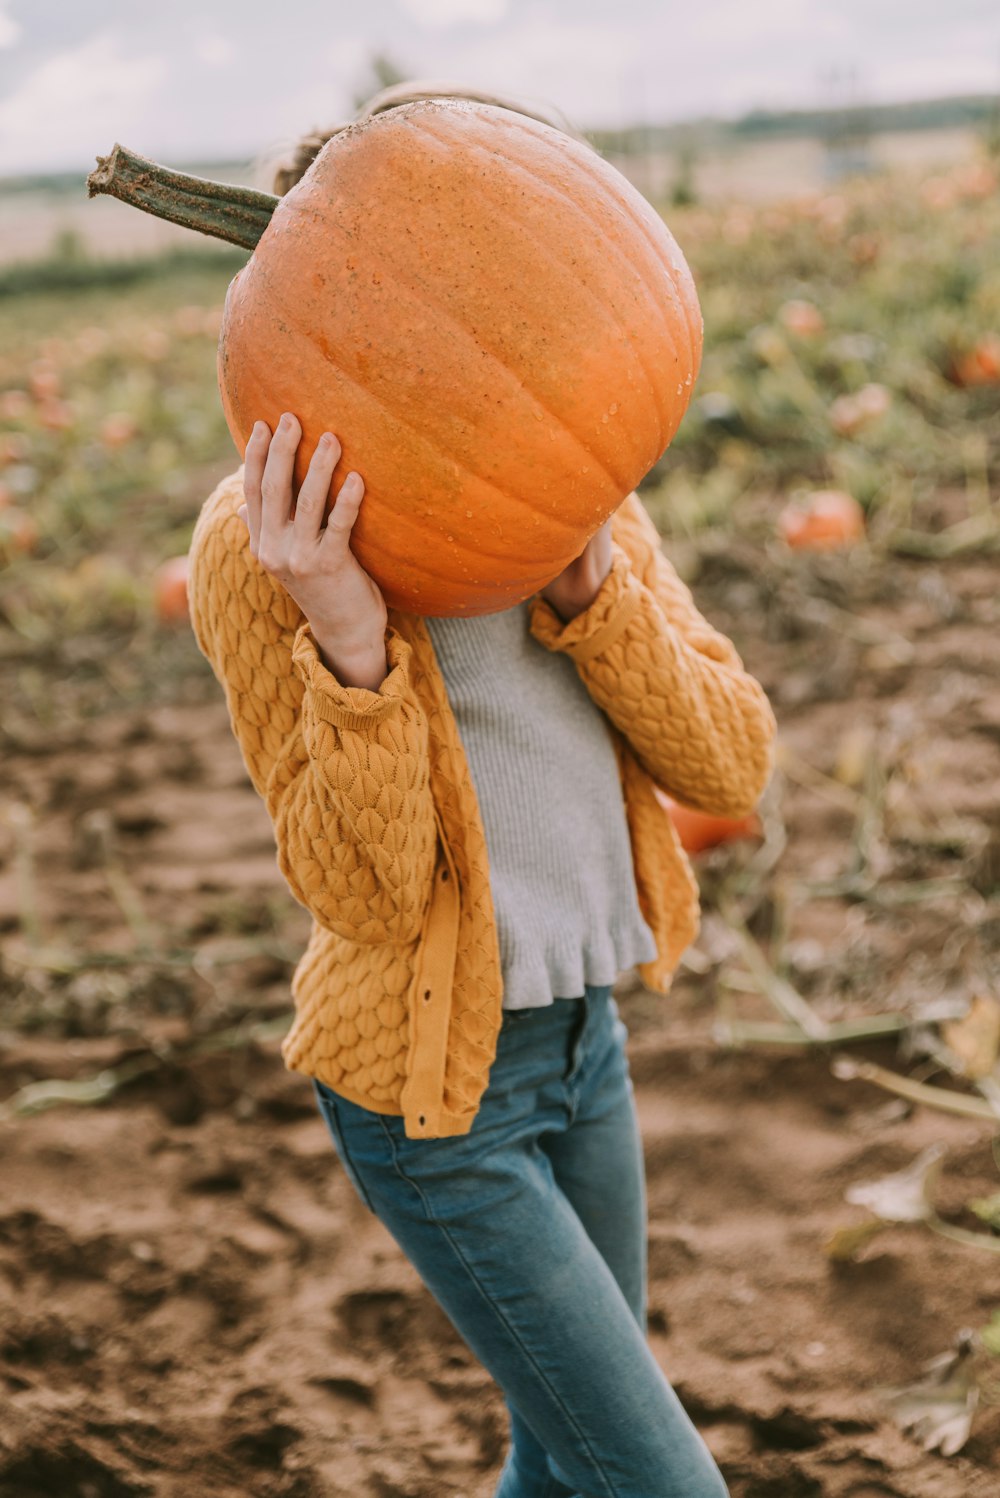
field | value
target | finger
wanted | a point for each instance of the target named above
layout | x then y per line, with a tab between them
345	510
311	500
253	471
276	482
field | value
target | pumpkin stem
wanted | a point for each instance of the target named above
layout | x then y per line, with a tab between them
238	215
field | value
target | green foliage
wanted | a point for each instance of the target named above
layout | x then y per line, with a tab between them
115	486
113	463
975	110
904	280
683	191
989	132
68	267
990	1335
987	1208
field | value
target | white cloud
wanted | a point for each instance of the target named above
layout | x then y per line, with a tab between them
576	65
767	24
915	77
185	85
323	98
214	51
80	101
10	29
451	12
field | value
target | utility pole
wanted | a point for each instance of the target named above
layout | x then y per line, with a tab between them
847	133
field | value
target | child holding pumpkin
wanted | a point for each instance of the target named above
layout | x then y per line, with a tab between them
467	808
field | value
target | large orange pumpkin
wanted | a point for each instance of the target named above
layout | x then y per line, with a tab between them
501	331
499	328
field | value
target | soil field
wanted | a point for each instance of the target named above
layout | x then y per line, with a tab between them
193	1295
192	1298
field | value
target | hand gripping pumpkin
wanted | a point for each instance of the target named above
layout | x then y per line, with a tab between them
501	331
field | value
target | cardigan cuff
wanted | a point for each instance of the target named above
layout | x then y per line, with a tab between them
599	625
346	706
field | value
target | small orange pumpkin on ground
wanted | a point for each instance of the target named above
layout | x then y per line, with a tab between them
802	318
18	532
56	415
864	249
699	830
979	365
13	448
975	179
849	413
44	380
170	590
825	519
938	193
117	429
14	405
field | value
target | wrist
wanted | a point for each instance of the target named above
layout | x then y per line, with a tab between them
570	602
351	637
362	663
565	612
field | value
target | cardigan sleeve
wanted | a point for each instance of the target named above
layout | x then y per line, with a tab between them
675	687
343	771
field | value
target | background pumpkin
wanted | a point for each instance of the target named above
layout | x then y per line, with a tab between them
699	830
501	331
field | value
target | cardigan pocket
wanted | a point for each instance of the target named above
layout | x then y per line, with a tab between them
328	1107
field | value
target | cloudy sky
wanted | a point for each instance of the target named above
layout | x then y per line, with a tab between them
191	80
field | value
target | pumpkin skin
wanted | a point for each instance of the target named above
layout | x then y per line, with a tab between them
699	830
500	330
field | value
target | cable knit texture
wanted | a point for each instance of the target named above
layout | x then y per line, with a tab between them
376	821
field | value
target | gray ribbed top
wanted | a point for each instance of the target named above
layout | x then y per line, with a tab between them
544	770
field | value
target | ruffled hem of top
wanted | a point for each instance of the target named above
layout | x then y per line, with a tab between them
555	975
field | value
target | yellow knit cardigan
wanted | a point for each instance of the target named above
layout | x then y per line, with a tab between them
377	826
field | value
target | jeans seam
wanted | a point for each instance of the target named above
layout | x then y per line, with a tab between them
407	1180
498	1310
553	1487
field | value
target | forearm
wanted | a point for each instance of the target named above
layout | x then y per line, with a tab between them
698	723
358	873
704	730
356	837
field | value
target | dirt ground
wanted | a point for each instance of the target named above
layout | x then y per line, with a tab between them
192	1299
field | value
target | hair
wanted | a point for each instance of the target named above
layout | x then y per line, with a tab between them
280	170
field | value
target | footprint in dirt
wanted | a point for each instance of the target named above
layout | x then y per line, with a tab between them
70	1472
33	1341
258	1435
382	1316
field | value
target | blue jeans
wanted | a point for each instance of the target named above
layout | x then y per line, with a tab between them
530	1232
